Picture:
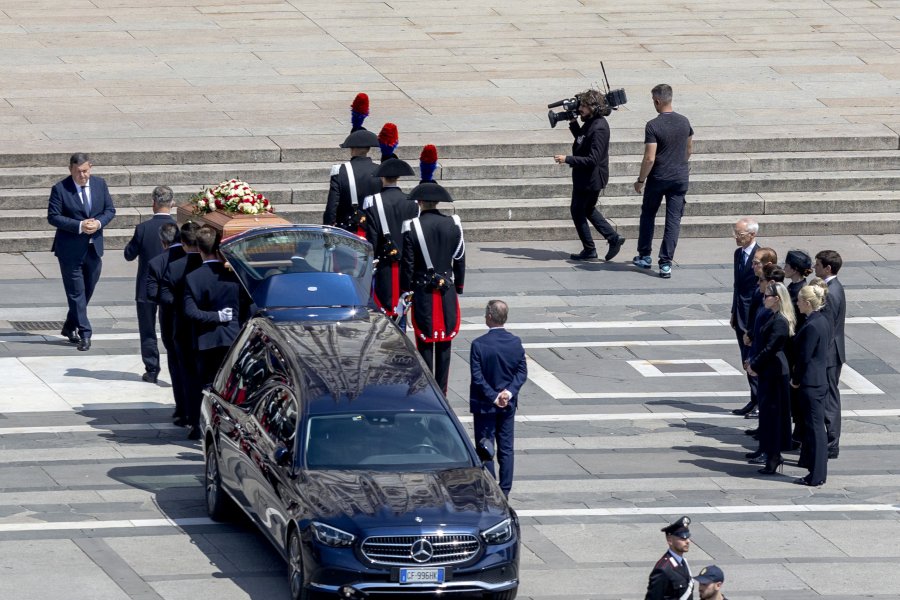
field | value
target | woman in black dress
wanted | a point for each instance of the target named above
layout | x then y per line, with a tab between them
797	267
812	345
769	363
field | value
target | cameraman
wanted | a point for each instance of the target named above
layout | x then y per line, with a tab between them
590	173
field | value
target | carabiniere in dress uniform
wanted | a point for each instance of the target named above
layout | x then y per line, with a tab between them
670	578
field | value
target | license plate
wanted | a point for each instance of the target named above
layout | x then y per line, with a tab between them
422	575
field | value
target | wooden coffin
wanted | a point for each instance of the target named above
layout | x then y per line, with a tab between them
229	224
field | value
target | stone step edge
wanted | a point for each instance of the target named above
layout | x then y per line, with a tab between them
459	183
165	151
788	219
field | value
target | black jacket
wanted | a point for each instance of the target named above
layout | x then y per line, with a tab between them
435	313
668	579
145	245
590	154
156	271
812	347
836	310
340	210
208	289
171	291
397	209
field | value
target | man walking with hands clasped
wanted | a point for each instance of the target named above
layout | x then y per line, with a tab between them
499	370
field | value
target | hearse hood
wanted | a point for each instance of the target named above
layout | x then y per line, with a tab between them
465	496
301	266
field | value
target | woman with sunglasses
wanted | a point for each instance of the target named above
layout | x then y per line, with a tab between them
813	343
769	363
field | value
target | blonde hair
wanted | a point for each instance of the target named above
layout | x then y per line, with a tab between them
785	306
814	292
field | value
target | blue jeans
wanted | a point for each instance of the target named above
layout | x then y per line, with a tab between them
654	191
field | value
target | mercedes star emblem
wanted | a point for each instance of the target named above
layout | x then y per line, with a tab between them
421	551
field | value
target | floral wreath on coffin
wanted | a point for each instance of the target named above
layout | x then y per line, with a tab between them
232	196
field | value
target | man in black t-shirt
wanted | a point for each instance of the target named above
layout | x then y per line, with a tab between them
667	149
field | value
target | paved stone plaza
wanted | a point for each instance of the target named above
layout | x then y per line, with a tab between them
624	426
625	423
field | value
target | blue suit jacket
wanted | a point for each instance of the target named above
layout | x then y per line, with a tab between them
497	363
144	246
65	211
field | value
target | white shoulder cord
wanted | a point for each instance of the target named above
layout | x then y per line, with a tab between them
353	199
461	247
415	224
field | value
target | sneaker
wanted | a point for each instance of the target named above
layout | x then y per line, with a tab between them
644	262
665	271
584	255
614	248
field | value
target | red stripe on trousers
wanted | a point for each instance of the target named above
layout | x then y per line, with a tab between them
437	314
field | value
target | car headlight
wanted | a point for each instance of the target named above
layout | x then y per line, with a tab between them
500	533
332	536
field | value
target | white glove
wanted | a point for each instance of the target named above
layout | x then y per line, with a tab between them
225	315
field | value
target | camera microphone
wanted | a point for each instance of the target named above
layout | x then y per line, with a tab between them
556	104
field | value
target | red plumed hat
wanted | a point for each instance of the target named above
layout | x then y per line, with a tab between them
389	136
361	104
429	154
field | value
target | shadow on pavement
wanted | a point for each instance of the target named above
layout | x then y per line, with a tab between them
235	549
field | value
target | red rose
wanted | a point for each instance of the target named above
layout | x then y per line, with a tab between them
218	203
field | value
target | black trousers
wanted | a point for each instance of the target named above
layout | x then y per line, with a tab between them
437	357
189	368
753	382
146	314
833	407
176	374
80	278
814	451
654	191
583	209
208	363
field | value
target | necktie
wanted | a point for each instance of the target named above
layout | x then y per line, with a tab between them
86	200
743	259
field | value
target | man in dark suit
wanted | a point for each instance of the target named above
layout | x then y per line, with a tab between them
217	306
171	294
670	578
498	367
434	269
350	183
745	283
828	263
80	207
156	270
145	245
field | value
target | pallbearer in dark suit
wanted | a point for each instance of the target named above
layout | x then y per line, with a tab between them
350	183
144	246
385	214
828	263
217	306
434	269
499	370
172	294
813	346
156	270
670	578
745	282
80	207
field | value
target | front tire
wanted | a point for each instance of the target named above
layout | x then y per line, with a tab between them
296	577
217	501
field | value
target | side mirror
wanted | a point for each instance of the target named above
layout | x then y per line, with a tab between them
282	456
485	450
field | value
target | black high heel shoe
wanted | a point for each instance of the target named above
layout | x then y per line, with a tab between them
773	466
762	459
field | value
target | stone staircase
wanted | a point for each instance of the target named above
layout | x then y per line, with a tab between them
818	184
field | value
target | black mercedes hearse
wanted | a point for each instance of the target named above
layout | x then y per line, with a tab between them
324	426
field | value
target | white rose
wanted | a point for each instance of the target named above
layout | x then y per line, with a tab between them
201	203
